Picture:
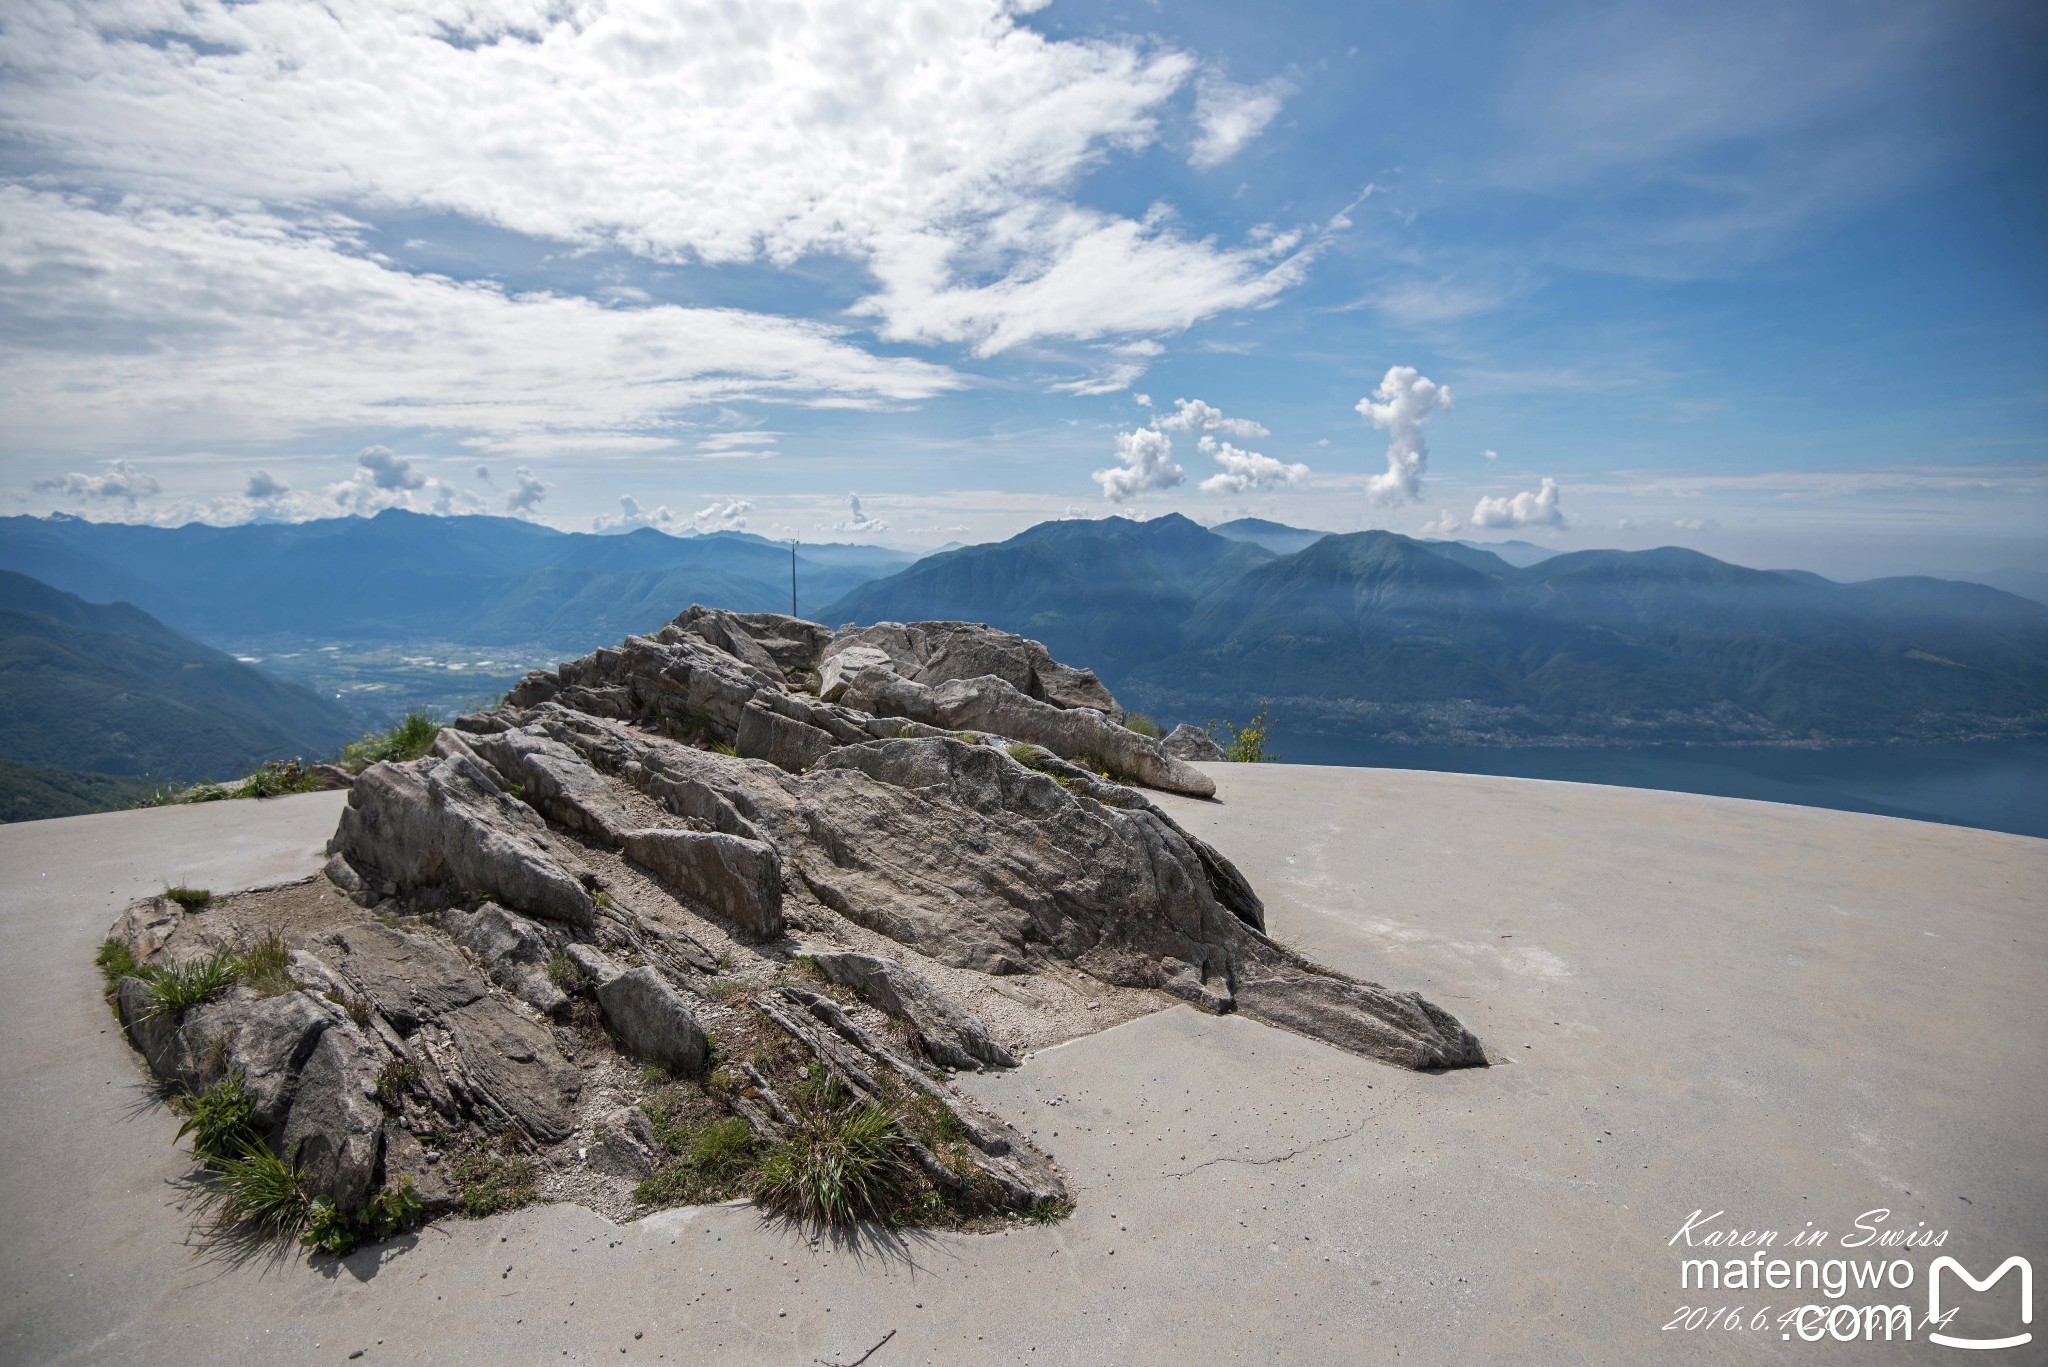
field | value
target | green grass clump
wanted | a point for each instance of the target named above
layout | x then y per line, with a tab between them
564	972
407	740
1047	1210
221	1120
711	1158
256	1189
358	1008
277	779
191	899
330	1229
116	961
1250	743
839	1165
491	1183
172	991
267	967
1142	724
397	1077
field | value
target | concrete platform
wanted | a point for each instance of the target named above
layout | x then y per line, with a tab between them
1786	1014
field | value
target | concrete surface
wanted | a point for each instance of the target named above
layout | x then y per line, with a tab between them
1786	1014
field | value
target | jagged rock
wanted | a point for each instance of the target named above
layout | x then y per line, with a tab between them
624	1145
1192	743
594	964
783	741
334	1130
987	703
508	1064
842	665
445	825
653	1022
740	879
953	1036
554	781
934	653
513	950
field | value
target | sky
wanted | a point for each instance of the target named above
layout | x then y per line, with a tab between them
1767	280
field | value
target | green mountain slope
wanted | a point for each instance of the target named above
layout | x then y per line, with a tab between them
108	689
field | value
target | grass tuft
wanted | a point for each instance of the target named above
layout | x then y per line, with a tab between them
191	899
267	967
257	1189
221	1120
710	1158
116	961
839	1165
1142	724
397	1077
407	740
175	990
491	1183
565	972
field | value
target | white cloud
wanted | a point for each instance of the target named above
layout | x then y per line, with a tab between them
1693	524
1228	116
1193	415
934	142
1144	462
123	481
729	516
738	444
195	325
265	487
1404	401
1142	400
631	514
527	491
1244	471
1489	455
1538	508
1445	523
388	471
483	473
857	520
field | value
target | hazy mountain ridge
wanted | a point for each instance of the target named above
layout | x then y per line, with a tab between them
108	689
404	576
1379	634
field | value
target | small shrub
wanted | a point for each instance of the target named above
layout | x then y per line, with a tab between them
257	1189
728	989
191	899
173	991
394	1080
221	1120
277	779
116	961
491	1183
565	972
407	740
267	967
1049	1210
838	1166
1142	724
603	899
330	1229
1247	744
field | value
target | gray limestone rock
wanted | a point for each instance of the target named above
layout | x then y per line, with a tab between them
653	1022
953	1036
1192	743
740	879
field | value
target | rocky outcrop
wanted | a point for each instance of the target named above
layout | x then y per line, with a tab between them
948	1035
1192	743
648	838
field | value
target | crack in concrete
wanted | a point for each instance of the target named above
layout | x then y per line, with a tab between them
1265	1162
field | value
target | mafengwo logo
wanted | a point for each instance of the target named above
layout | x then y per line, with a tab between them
1935	1315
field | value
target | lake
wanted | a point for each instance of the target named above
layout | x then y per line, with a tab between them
1996	785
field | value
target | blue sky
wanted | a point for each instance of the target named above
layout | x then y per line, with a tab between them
1762	279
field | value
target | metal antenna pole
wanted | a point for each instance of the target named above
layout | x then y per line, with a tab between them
792	576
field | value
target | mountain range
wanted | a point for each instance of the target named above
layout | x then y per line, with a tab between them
1377	634
403	577
109	690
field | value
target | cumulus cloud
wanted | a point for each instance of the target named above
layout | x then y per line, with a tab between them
1489	455
388	471
1537	508
1228	116
1193	415
483	473
528	490
1144	462
123	482
631	514
857	520
1142	400
1244	471
264	487
934	142
729	516
1404	401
